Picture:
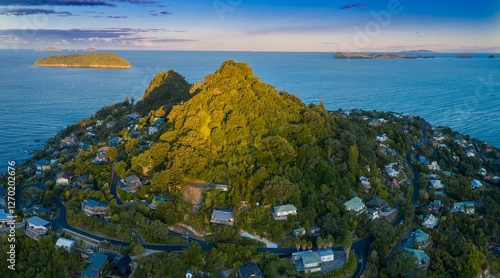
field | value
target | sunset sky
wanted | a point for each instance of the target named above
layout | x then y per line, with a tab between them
389	25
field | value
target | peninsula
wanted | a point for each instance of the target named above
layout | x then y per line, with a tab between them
348	55
93	60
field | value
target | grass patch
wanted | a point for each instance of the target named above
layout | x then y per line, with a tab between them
275	266
346	271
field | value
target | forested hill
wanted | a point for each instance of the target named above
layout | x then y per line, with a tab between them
93	60
166	89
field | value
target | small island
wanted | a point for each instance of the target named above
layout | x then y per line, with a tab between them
492	56
464	56
93	60
48	49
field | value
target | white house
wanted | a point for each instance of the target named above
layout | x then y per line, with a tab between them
326	255
282	212
365	182
434	166
307	261
36	226
468	207
63	178
222	187
381	137
391	172
222	217
66	244
436	184
355	204
133	116
152	130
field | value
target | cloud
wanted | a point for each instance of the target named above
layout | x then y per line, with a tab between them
109	16
56	3
352	5
30	11
140	2
106	37
155	13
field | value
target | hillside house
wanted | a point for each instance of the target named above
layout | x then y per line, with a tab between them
355	204
92	207
222	217
36	227
282	212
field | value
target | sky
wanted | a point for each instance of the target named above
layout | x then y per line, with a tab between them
244	25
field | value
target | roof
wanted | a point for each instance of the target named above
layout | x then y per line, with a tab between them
221	214
250	270
64	242
284	208
421	236
310	258
355	202
325	252
123	264
63	175
93	203
376	202
97	263
476	183
423	159
5	216
430	220
37	221
418	254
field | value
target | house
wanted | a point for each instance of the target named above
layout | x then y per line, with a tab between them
36	227
63	178
221	187
365	182
381	137
431	176
299	231
393	184
96	266
476	184
376	202
121	268
422	259
436	184
189	273
100	158
435	206
38	210
133	117
110	124
423	160
418	239
249	270
430	222
158	121
391	172
373	213
468	207
41	165
152	130
93	207
80	180
222	217
355	204
66	244
115	141
326	255
307	261
434	166
5	218
282	212
132	183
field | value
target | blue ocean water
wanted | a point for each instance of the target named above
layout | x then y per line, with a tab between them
36	102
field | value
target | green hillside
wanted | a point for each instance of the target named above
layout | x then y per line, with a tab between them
92	60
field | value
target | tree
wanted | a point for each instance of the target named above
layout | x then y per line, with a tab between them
309	245
303	244
112	154
401	264
138	250
193	255
319	242
297	243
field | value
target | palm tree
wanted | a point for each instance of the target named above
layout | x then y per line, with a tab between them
303	244
297	243
309	245
330	241
319	242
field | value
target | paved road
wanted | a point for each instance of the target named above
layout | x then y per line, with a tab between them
39	185
114	183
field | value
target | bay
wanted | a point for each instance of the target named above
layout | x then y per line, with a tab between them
464	94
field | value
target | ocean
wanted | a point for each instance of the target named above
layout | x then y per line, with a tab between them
37	102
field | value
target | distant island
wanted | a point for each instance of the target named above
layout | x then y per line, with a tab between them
348	55
492	56
90	49
92	60
48	49
464	56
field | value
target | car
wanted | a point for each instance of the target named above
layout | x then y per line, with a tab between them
401	222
